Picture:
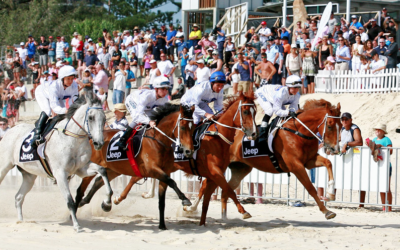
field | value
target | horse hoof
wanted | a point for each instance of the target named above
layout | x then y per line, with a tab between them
82	203
106	207
189	209
246	215
147	196
331	197
77	229
186	203
330	215
162	227
116	200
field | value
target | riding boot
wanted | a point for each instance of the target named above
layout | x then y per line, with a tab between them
40	124
124	138
264	128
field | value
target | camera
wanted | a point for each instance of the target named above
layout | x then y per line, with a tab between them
215	30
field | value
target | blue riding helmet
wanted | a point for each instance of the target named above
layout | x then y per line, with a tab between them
218	77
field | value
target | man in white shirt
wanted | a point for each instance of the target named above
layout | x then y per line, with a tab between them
142	47
60	46
166	68
119	77
180	32
202	73
74	44
23	53
364	36
189	71
127	38
264	32
346	33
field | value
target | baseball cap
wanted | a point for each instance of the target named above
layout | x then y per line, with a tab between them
180	27
384	8
293	46
210	49
171	24
87	70
153	61
29	35
90	40
373	20
346	115
353	16
104	30
195	25
86	37
179	36
200	61
337	24
51	37
22	43
75	34
215	52
263	47
271	38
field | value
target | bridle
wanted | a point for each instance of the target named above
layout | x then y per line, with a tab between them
177	125
85	123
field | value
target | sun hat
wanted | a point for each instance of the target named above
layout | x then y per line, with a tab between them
87	70
120	107
195	25
381	126
75	34
353	16
331	59
293	46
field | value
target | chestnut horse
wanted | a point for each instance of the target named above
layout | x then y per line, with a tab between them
213	156
156	156
293	152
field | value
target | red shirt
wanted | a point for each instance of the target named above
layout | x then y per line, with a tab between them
80	46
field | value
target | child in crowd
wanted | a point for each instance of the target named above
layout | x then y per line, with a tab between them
120	122
330	63
86	81
103	98
235	79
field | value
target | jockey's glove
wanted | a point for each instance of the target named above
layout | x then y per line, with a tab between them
292	114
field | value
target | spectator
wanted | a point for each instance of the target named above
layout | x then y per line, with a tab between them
21	95
142	48
3	127
354	22
120	122
264	32
262	70
31	46
358	49
190	69
119	77
154	72
376	65
277	52
66	44
17	63
206	43
216	63
374	31
105	59
381	48
331	23
43	51
382	141
256	44
74	45
250	33
161	39
313	29
8	66
86	81
180	32
208	56
166	68
391	27
133	62
195	35
147	58
101	79
180	44
342	56
103	39
229	47
184	57
68	59
283	32
116	56
391	52
36	75
364	36
384	16
220	41
330	63
368	48
235	79
153	34
170	37
309	69
126	38
51	50
60	46
202	73
297	31
124	52
156	51
325	51
293	62
179	91
243	66
130	77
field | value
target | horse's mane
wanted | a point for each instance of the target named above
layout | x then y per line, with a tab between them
82	101
230	100
316	104
162	111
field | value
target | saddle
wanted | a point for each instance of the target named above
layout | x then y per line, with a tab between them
50	124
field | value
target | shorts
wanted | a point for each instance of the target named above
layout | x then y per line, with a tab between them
74	56
30	56
80	55
244	86
170	51
52	58
17	69
310	79
140	62
43	60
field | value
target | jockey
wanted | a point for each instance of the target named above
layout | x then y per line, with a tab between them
273	98
51	96
142	102
203	93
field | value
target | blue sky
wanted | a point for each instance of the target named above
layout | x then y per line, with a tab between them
171	7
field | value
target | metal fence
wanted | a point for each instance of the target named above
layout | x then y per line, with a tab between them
353	173
357	82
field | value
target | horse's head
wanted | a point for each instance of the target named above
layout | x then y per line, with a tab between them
88	113
330	131
244	115
185	129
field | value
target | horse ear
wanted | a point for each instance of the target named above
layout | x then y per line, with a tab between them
338	107
88	97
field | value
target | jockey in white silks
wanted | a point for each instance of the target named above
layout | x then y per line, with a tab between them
141	103
51	96
273	98
204	93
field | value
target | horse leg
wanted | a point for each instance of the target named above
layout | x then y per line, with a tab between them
302	176
319	161
162	189
62	182
219	178
196	203
127	189
93	169
27	183
162	176
5	170
150	194
209	190
80	192
239	171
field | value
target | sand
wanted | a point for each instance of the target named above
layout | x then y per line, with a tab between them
134	223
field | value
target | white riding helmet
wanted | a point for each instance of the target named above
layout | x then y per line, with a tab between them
293	81
161	82
66	71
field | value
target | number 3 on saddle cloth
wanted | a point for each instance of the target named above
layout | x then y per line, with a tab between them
114	153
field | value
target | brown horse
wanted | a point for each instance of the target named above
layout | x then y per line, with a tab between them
293	152
156	156
213	155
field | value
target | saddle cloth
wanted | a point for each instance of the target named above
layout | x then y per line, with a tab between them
114	153
198	135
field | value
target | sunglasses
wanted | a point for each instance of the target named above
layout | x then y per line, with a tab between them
263	57
344	119
340	40
2	124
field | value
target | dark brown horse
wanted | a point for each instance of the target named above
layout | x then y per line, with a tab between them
213	155
156	156
293	152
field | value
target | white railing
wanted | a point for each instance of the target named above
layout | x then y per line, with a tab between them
353	173
357	82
